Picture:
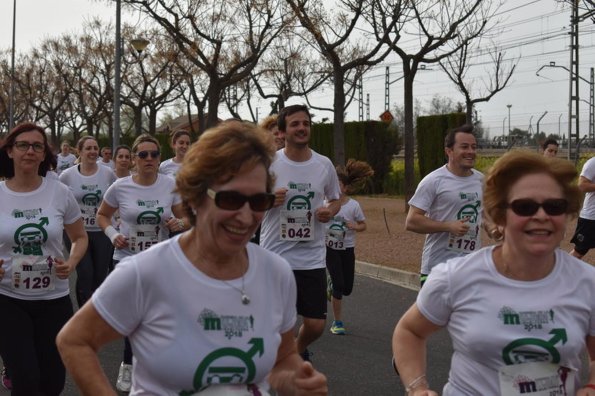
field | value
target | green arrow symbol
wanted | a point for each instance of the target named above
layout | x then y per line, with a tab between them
559	335
257	347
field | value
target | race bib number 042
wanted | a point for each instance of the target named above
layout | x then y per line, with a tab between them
297	225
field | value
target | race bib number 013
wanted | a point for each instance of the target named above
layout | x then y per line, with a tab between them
296	225
33	274
335	239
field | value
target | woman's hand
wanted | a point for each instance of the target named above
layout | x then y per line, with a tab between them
63	268
308	381
175	224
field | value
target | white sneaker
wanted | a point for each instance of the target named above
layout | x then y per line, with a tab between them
124	382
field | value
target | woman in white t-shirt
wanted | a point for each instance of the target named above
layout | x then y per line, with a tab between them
519	313
34	292
206	311
122	161
149	210
88	181
65	159
180	141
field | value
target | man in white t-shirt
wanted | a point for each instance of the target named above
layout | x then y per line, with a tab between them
294	227
447	204
584	236
106	158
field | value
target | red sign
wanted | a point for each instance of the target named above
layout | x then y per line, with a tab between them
387	117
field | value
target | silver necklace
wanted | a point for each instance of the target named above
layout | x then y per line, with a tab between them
245	298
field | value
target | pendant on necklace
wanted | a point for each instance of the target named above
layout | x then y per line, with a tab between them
245	299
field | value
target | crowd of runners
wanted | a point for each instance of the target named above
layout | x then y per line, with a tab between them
204	262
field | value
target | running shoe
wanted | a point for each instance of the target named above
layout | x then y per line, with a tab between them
124	382
6	381
337	327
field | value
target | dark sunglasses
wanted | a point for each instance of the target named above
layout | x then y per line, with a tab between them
233	200
24	146
145	154
528	207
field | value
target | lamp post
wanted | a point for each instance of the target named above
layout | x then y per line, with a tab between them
12	77
139	44
117	72
509	140
559	123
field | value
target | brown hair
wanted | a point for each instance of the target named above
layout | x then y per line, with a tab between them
268	122
289	110
144	138
449	139
81	142
509	168
354	174
218	156
7	164
177	134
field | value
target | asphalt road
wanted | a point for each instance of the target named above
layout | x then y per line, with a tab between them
359	362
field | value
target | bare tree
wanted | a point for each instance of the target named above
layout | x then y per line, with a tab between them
348	50
496	75
223	38
438	29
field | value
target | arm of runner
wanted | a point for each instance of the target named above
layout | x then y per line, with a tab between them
79	239
104	219
409	350
179	222
325	214
585	185
78	342
589	388
417	221
291	375
357	226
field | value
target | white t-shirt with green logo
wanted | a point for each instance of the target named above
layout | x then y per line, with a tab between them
495	321
31	229
447	197
144	211
64	162
189	330
170	167
291	229
351	212
88	191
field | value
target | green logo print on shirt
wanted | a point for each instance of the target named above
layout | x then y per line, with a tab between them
239	368
29	238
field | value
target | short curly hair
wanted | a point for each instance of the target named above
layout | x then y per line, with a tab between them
218	155
512	166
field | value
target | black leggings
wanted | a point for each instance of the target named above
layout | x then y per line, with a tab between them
94	266
127	357
341	267
28	344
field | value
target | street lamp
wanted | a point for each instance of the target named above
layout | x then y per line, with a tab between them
139	44
117	72
509	106
12	76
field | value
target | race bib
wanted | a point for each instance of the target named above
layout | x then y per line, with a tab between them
297	225
33	274
335	238
143	236
537	379
89	215
467	243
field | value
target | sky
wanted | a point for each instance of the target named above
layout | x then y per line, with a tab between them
533	31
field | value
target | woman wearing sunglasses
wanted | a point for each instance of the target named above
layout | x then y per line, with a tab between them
207	310
34	291
149	209
519	313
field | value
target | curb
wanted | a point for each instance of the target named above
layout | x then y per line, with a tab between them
394	276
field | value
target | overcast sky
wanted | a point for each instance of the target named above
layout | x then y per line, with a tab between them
534	30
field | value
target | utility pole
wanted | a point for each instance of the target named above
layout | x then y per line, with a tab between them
361	98
573	102
117	83
387	89
538	121
367	107
12	75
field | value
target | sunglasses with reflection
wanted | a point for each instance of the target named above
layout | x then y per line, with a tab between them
233	200
528	207
145	154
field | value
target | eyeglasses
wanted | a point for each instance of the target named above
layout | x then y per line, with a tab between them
145	154
24	146
233	200
528	207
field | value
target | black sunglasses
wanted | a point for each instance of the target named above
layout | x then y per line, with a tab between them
145	154
233	200
528	207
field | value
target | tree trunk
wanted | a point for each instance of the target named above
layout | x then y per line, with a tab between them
213	107
469	118
408	138
152	121
339	119
138	121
